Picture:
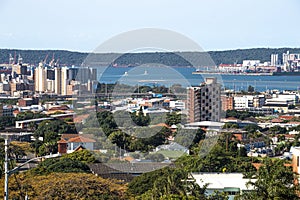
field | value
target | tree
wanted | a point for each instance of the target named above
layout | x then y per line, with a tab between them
166	183
277	130
173	118
273	181
63	164
229	125
50	131
106	122
252	128
157	157
66	186
250	88
84	156
140	119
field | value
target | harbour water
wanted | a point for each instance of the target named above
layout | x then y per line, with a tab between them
175	75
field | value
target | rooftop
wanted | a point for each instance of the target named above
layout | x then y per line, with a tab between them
222	180
81	139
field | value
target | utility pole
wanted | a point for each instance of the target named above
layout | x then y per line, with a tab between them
6	169
9	172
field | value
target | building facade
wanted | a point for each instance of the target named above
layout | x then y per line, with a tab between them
204	101
227	102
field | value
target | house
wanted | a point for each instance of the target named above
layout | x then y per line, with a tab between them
125	171
173	146
72	142
231	183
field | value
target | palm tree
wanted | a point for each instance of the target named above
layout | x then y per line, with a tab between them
273	181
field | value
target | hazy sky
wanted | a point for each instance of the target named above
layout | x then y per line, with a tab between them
82	25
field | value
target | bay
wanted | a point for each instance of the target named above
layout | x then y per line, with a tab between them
183	75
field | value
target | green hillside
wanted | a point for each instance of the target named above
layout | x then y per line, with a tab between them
170	59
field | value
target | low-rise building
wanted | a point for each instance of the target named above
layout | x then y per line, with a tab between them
227	102
177	104
231	183
71	142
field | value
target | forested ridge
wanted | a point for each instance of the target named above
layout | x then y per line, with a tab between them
134	59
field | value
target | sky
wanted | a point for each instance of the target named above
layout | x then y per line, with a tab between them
82	25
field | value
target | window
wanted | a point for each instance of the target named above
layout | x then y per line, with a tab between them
232	193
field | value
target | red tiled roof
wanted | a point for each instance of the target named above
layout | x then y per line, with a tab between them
162	124
16	111
62	107
276	120
80	118
80	139
231	118
62	141
286	117
294	123
67	136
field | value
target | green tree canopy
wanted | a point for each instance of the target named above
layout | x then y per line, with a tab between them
273	181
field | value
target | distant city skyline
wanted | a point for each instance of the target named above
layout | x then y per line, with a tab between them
214	25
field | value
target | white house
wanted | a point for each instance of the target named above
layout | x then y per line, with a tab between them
75	142
231	183
71	142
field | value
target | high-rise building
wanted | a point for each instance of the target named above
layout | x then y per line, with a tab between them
64	80
57	80
204	101
40	78
274	60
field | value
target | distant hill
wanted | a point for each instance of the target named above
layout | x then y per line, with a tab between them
171	59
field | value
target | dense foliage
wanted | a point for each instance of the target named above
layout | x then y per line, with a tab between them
6	121
274	181
63	164
29	115
165	183
83	155
50	132
138	135
63	186
242	115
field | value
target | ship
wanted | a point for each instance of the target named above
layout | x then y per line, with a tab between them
297	73
232	73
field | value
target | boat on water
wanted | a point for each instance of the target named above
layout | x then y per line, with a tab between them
231	73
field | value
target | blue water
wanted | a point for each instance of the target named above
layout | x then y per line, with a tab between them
184	76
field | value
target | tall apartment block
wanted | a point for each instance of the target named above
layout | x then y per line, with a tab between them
204	101
40	78
274	60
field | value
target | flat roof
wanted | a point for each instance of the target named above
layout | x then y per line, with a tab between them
222	180
206	123
63	115
34	120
